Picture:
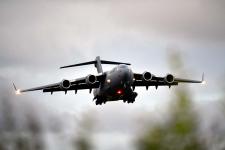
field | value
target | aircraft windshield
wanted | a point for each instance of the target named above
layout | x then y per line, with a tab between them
123	66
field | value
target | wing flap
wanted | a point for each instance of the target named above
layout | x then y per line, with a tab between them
138	76
160	81
55	85
74	87
187	80
153	83
190	81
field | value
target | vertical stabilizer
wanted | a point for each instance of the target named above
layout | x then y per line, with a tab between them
98	64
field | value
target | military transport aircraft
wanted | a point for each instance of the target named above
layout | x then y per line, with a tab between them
116	84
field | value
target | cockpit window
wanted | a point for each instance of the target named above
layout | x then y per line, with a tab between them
118	67
123	66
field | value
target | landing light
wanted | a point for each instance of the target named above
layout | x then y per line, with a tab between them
18	92
108	81
119	92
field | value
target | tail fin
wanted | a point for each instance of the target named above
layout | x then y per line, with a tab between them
97	62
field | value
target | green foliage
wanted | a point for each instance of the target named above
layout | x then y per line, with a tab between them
179	132
83	140
82	143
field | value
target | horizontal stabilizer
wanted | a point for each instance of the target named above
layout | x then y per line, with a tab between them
113	62
95	62
80	64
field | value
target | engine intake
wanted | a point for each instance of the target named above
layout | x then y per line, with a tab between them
65	84
147	76
91	79
169	78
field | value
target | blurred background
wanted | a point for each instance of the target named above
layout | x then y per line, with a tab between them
185	38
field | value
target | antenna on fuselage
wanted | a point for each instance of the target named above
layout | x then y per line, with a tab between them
97	62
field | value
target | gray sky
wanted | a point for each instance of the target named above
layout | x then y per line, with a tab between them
36	38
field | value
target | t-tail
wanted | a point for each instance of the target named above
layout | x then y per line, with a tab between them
97	62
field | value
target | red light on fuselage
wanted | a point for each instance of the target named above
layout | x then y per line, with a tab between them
119	92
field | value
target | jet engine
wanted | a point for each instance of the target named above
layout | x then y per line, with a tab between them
91	79
169	78
65	84
147	76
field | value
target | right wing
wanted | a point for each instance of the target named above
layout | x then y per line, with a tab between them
66	85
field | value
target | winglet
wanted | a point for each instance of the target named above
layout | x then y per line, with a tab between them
203	79
14	87
17	91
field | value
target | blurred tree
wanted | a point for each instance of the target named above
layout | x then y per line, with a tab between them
84	139
12	134
217	140
22	143
179	132
223	93
82	143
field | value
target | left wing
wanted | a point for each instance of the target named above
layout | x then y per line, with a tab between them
147	79
89	82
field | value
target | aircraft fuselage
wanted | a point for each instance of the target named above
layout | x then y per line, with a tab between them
117	85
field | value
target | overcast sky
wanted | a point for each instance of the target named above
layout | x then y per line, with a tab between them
37	37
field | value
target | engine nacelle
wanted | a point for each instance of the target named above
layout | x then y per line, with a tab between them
91	79
65	84
147	76
169	78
